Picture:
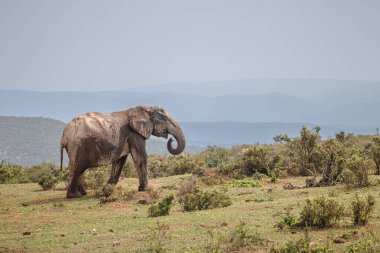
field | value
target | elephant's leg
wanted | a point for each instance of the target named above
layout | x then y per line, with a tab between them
72	190
117	167
80	186
140	160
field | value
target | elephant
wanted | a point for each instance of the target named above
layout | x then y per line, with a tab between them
96	139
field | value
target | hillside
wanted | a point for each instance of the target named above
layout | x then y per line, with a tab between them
26	141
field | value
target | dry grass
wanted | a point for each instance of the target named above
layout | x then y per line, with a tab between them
78	225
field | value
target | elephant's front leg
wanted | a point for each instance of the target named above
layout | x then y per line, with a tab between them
117	167
140	160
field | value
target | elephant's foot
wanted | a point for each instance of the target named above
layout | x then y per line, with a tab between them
82	190
108	189
142	188
73	194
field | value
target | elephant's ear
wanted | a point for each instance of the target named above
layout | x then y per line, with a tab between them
140	122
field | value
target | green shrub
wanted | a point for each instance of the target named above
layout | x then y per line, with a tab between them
158	238
362	209
321	212
370	243
357	172
11	173
241	238
96	178
251	161
186	164
162	207
47	174
288	220
159	166
335	157
304	151
304	245
374	152
47	181
202	200
216	157
35	172
192	198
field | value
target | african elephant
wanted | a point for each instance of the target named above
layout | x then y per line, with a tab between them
96	139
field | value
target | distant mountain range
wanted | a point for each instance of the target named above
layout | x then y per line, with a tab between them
288	101
27	141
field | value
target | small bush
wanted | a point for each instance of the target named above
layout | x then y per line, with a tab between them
216	157
304	245
321	212
357	172
304	151
368	244
96	178
192	198
250	161
239	239
11	173
162	207
362	209
47	181
158	238
242	238
117	193
288	220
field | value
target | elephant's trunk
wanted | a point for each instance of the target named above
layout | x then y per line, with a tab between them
178	135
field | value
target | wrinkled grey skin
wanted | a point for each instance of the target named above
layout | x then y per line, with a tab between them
96	139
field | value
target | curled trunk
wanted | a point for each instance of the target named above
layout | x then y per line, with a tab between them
180	139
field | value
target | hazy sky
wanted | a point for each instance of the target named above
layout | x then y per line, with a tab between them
105	45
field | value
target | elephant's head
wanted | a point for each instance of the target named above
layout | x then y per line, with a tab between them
148	120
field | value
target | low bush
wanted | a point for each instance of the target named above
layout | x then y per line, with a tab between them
47	175
321	212
158	238
357	172
160	166
162	207
96	178
288	220
249	162
304	245
192	198
12	173
47	181
369	243
241	238
362	209
216	156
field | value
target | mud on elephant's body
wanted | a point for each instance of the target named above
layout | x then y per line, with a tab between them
96	139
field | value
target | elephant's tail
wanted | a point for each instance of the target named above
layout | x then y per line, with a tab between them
62	147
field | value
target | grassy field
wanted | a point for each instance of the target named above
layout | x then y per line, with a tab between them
33	220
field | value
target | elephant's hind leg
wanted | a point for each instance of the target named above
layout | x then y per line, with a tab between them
72	190
80	184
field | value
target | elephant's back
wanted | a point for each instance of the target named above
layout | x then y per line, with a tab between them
89	125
